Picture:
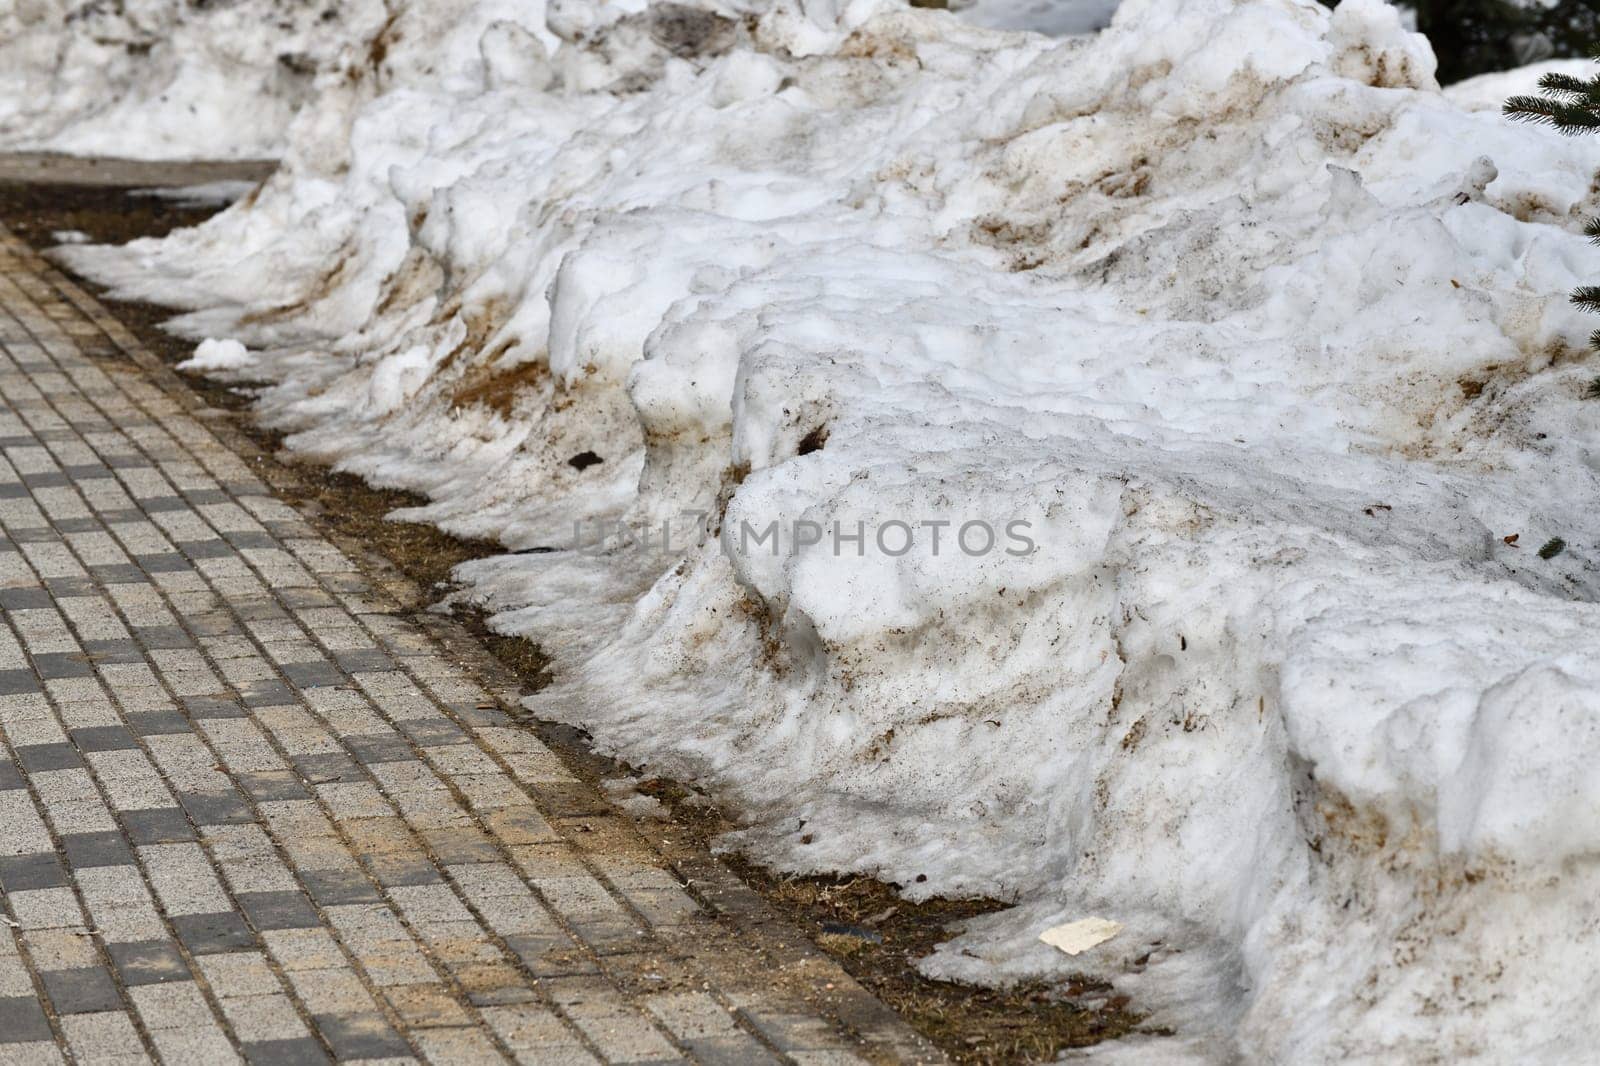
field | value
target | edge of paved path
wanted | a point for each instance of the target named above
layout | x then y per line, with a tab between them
54	168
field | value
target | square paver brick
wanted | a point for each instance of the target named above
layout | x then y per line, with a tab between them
37	870
278	910
216	808
103	738
365	1035
159	723
81	991
333	888
267	785
22	1020
87	850
157	825
36	758
148	962
303	1051
209	934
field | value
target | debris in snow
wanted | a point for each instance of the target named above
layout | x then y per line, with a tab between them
70	236
1075	938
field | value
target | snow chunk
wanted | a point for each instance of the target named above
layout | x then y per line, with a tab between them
212	354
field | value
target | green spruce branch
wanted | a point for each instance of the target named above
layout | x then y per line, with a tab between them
1570	105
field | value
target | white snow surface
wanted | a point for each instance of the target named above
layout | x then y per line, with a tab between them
170	79
1489	91
1265	337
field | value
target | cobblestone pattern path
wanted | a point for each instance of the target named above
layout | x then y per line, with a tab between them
249	810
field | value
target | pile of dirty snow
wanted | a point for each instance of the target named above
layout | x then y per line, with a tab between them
1248	348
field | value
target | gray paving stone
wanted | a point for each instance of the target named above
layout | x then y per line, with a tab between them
330	767
157	825
22	1020
148	962
433	732
24	598
66	587
332	888
88	850
250	539
208	934
165	563
279	910
305	598
361	1036
118	574
62	664
38	758
313	675
81	990
159	723
213	707
380	749
303	1051
402	871
264	785
266	694
103	738
215	808
363	659
19	681
19	873
113	651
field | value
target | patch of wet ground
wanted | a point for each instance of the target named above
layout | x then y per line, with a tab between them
876	936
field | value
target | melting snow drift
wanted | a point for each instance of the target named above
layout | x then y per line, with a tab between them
1261	339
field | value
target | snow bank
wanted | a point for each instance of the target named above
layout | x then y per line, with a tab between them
175	79
1262	339
160	79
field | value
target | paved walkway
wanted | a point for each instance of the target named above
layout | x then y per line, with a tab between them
250	809
47	167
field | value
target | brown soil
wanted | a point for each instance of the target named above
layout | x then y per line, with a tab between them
875	935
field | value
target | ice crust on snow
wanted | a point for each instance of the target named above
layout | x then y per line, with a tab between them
1265	337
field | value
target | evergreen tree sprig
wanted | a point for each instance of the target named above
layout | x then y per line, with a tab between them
1568	103
1571	105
